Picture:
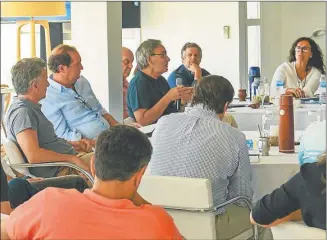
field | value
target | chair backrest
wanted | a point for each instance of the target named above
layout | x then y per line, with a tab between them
173	191
15	156
183	198
297	230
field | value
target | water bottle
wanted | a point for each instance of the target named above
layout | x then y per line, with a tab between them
253	73
322	89
280	90
254	88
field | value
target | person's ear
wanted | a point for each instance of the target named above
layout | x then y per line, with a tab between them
34	85
149	61
92	166
139	175
62	68
226	107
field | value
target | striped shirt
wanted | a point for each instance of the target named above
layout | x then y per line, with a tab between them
197	144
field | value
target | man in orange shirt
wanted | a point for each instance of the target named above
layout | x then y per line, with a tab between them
112	209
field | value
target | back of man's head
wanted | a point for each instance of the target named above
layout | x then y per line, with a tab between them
120	152
213	92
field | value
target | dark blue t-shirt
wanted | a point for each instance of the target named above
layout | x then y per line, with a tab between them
144	92
185	74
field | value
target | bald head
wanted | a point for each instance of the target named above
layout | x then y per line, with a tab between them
127	61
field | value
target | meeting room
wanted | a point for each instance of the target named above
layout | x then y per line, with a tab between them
163	120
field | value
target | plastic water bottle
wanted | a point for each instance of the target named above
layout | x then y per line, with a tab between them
280	90
254	88
322	89
253	73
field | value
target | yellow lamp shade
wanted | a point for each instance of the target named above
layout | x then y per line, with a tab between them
32	9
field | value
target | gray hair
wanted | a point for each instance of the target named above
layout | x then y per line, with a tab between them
24	72
191	45
144	51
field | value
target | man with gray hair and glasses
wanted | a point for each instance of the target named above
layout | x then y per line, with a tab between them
32	131
149	96
190	70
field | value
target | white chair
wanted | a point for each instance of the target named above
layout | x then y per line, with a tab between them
16	161
297	230
189	201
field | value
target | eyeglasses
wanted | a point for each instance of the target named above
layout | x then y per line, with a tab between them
163	55
82	100
304	49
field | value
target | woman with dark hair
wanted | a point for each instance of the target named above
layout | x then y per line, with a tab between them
301	74
303	197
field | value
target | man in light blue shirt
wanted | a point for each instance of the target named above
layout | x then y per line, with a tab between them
70	103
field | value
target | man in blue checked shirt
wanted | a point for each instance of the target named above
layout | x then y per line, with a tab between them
70	103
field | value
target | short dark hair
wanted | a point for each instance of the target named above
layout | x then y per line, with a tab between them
213	92
120	152
60	56
317	55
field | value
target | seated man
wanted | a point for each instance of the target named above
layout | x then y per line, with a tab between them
313	142
70	103
197	144
190	70
149	96
32	131
112	209
127	65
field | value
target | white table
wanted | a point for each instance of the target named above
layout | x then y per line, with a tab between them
270	172
248	119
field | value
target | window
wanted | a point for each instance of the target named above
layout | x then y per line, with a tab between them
250	38
253	42
253	10
8	47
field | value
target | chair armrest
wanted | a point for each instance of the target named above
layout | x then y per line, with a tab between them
249	206
55	164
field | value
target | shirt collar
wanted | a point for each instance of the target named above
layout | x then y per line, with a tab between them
200	109
54	84
26	102
113	203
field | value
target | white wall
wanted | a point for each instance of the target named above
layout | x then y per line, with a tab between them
96	33
85	37
271	40
175	23
282	24
301	19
